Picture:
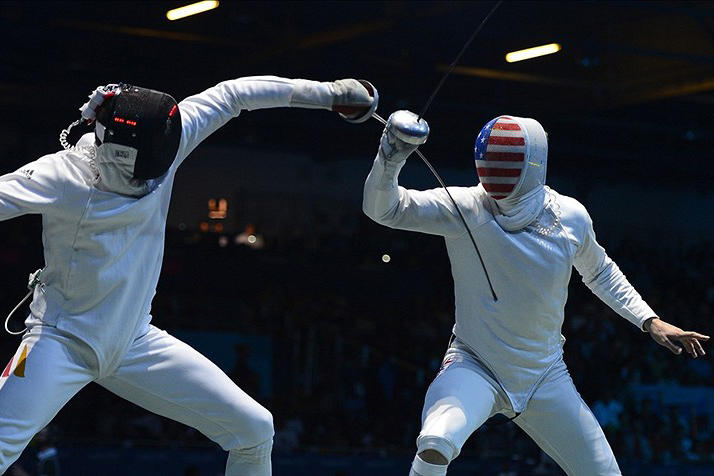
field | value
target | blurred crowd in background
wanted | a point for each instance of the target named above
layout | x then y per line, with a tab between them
352	339
338	325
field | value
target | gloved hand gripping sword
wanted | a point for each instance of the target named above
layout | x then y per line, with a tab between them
405	131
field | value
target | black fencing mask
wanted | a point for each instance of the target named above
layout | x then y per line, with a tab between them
146	120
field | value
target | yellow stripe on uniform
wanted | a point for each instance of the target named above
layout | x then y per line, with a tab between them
20	368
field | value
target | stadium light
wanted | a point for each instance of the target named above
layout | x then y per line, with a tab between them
192	9
534	52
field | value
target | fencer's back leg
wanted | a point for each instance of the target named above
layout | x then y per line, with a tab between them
576	442
44	374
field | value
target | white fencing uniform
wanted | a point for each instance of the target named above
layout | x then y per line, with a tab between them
90	316
508	354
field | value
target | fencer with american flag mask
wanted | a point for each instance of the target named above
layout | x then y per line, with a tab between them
506	354
104	204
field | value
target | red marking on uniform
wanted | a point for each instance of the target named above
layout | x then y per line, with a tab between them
504	126
507	156
498	187
6	372
496	172
173	110
445	364
501	140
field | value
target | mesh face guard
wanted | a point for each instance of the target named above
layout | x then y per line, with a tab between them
511	156
146	120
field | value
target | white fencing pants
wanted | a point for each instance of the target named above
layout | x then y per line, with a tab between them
464	395
158	372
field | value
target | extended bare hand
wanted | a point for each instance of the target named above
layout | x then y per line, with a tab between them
665	334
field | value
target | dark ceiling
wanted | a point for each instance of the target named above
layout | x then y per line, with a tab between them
631	91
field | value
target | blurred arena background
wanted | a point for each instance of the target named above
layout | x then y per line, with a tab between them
273	272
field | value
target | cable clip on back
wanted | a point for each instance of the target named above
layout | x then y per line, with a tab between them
88	110
32	283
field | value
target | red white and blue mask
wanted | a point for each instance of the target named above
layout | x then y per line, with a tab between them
511	156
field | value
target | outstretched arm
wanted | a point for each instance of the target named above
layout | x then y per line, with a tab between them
33	188
385	202
607	282
204	113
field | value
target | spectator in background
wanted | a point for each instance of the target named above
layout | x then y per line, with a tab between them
241	373
607	410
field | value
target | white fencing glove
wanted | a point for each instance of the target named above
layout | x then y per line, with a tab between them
355	100
402	135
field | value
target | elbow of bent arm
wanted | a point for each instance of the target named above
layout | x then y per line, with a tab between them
229	98
382	206
603	280
383	199
368	201
370	208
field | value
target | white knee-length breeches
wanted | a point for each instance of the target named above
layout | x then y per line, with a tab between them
159	373
464	395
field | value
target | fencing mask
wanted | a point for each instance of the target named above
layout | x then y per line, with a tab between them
142	119
511	157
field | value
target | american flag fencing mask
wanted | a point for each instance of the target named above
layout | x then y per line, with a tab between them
511	156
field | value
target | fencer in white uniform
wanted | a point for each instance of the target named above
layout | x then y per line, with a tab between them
104	205
506	355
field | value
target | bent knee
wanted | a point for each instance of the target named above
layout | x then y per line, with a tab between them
267	426
246	429
260	428
436	449
259	454
429	463
433	457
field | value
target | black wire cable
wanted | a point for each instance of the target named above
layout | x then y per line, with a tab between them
458	57
463	220
431	167
458	210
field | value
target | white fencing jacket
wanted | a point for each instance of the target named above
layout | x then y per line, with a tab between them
518	337
103	251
